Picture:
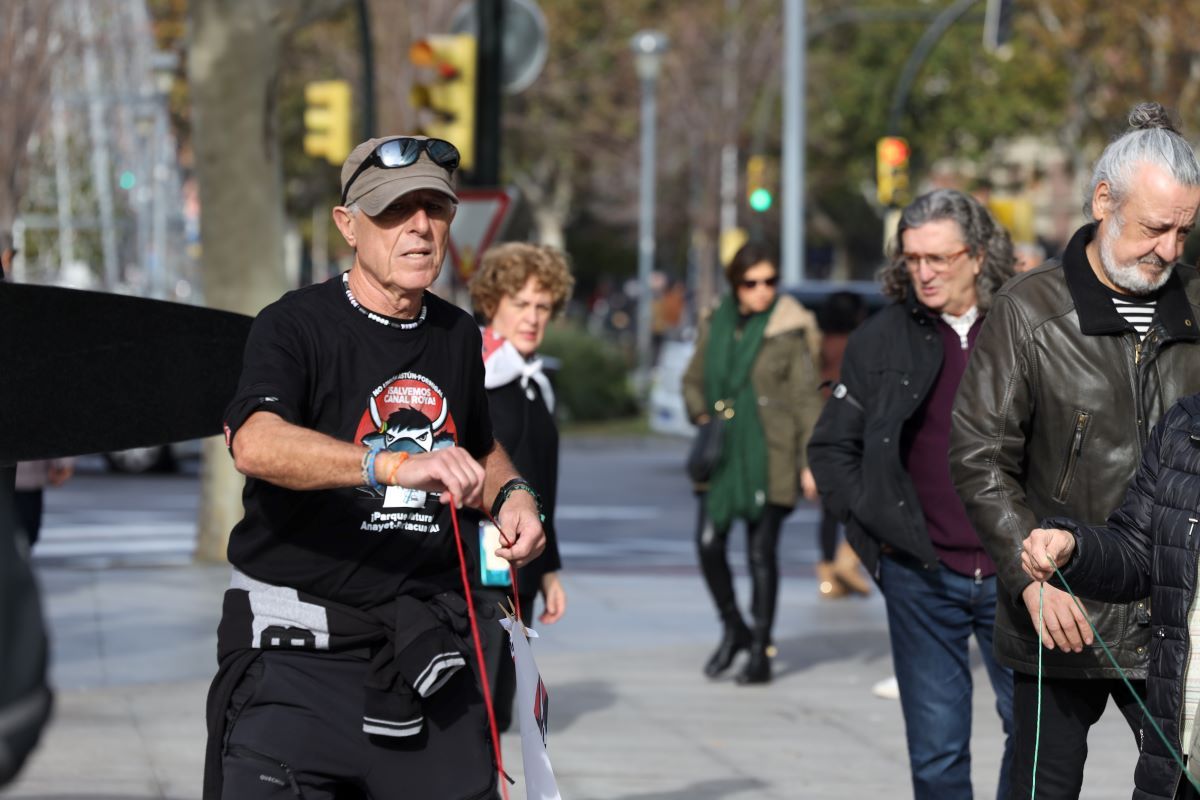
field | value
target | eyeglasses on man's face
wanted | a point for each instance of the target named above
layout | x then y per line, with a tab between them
936	262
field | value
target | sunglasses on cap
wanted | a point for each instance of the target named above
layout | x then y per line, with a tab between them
404	152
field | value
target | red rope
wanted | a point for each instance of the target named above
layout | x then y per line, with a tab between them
483	680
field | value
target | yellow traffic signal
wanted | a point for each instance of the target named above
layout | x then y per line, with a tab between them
891	170
445	101
327	121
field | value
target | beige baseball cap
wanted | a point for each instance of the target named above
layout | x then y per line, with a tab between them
377	188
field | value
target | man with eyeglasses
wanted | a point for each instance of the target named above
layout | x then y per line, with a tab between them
1077	361
878	454
344	640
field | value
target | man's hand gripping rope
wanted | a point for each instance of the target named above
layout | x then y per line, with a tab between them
1054	542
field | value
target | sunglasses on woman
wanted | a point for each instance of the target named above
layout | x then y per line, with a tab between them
404	152
752	284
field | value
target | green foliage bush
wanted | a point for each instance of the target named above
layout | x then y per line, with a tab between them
592	379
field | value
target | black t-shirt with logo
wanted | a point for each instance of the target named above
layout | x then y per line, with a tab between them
320	362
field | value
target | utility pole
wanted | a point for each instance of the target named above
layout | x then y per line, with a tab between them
916	59
729	108
792	217
648	48
367	50
489	76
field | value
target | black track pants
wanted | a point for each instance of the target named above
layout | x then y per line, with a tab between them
295	731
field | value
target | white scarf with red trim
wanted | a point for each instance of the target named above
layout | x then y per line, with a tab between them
502	365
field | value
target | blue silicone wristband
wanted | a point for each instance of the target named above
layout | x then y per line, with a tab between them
375	484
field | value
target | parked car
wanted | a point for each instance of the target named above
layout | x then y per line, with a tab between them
666	409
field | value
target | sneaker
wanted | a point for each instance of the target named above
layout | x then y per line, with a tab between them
887	689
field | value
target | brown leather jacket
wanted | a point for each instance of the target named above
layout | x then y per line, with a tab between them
1050	419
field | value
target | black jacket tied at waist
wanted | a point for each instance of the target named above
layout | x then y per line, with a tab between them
415	646
421	651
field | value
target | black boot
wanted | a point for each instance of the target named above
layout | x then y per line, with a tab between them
711	543
758	667
736	639
764	577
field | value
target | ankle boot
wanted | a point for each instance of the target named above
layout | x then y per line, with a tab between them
848	570
735	639
758	667
828	584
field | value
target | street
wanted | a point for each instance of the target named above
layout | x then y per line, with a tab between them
133	626
624	505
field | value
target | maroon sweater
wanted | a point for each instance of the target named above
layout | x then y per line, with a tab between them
927	461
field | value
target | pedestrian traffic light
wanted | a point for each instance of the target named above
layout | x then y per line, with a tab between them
757	194
891	170
997	24
445	98
327	120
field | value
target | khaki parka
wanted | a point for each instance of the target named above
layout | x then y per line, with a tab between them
785	377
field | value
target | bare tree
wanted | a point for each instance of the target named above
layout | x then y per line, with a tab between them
571	138
233	67
1104	81
31	39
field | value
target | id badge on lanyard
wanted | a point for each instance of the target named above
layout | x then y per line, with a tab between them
493	570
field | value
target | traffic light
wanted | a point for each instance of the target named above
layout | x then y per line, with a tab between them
997	24
891	170
757	194
445	102
327	121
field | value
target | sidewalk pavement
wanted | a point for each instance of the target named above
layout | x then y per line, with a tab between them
631	716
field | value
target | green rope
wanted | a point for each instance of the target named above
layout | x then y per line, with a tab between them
1037	736
1145	711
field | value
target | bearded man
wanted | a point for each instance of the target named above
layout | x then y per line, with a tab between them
1076	362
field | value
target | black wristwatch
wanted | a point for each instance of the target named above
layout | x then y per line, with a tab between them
516	485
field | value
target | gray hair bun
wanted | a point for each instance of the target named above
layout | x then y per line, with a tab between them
1151	115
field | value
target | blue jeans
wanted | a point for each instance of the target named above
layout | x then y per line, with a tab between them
931	616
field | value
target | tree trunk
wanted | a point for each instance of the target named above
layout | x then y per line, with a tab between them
31	40
549	189
233	65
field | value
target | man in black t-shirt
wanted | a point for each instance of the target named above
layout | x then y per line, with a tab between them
361	416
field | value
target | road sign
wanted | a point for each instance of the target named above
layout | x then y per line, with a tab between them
481	217
524	43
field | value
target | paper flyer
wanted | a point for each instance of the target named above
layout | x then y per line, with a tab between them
533	711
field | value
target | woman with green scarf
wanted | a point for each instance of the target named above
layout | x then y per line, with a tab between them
755	366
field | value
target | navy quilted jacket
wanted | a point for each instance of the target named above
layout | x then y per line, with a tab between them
1150	545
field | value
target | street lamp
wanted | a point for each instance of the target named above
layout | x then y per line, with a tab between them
648	47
